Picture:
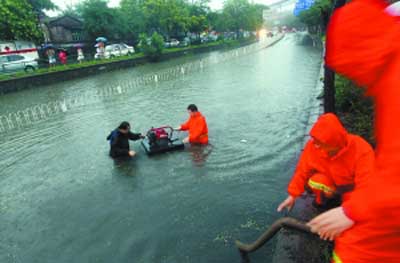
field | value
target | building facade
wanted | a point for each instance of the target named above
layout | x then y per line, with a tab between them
63	29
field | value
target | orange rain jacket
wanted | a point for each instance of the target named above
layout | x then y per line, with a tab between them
351	167
363	44
197	126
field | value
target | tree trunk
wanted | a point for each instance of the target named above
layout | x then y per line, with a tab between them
329	90
329	75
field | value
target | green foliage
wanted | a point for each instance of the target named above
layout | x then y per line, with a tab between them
40	5
100	20
18	21
231	43
170	17
198	11
131	11
198	24
318	14
255	17
241	14
152	47
73	11
355	110
58	68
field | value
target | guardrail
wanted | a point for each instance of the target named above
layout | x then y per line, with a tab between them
40	112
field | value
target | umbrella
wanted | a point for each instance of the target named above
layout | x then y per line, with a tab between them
394	9
101	39
48	46
78	45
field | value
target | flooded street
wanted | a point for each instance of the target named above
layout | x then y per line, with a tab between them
63	199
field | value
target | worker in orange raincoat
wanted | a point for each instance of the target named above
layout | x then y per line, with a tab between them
363	44
333	163
196	125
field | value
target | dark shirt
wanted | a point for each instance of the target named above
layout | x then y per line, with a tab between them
120	143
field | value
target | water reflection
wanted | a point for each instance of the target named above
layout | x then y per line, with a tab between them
125	166
199	153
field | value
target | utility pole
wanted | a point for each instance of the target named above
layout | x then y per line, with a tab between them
329	75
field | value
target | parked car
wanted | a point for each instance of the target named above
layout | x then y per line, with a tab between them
131	50
185	42
15	62
172	43
117	50
209	38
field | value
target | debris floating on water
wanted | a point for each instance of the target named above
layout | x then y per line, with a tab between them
243	140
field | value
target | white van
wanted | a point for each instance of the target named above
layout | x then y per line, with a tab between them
24	48
18	56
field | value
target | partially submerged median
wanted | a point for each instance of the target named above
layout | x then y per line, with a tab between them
46	76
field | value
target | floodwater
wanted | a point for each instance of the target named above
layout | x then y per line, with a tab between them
62	199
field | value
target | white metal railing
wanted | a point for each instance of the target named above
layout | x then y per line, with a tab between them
40	112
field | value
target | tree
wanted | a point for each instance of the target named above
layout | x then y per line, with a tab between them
40	5
198	24
18	21
199	8
134	18
100	20
234	12
317	15
198	12
255	17
73	11
152	47
217	21
242	15
170	17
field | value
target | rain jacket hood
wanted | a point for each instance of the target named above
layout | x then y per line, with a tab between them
329	130
348	169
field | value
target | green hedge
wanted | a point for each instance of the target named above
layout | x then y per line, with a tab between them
58	68
354	108
225	43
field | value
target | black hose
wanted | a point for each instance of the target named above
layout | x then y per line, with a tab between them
271	231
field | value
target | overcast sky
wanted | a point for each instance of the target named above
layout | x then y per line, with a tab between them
214	4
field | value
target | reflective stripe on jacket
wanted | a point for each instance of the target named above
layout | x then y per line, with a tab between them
352	165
